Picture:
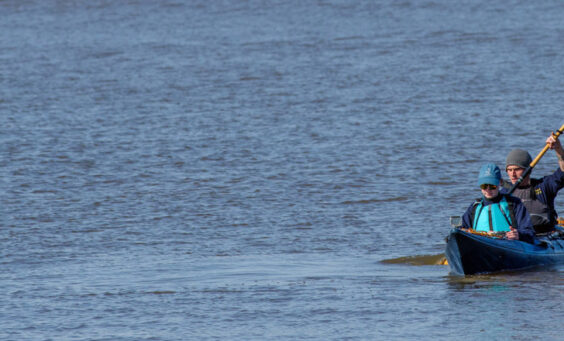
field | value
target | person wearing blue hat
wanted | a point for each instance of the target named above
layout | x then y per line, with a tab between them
538	195
496	212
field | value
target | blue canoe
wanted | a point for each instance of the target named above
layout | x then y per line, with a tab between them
470	253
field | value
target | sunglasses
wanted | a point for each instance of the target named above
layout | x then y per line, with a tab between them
488	186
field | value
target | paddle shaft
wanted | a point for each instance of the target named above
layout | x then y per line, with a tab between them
535	161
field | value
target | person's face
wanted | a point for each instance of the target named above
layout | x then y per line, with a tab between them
514	172
489	191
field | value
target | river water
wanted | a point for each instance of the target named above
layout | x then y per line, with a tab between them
243	170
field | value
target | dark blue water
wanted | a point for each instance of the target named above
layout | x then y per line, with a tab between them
238	170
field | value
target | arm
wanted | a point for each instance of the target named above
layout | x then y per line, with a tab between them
524	226
466	218
551	184
555	144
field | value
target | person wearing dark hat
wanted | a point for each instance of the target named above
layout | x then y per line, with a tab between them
537	194
497	212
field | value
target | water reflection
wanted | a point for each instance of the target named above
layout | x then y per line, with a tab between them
541	277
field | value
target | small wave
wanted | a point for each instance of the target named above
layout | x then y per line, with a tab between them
44	191
161	292
87	231
349	38
370	201
249	78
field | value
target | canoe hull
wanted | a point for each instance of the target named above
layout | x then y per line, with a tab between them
469	253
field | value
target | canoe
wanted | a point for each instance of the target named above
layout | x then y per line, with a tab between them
470	252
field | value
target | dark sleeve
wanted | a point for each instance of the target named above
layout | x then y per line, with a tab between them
466	222
523	220
554	182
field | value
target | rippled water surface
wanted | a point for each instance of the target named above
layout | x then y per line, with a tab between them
215	170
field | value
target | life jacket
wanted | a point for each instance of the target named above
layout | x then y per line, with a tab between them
496	217
542	217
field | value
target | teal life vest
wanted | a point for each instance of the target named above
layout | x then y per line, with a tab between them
496	217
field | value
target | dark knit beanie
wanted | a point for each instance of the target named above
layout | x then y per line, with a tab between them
518	157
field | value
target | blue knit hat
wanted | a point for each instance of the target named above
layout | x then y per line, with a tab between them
489	174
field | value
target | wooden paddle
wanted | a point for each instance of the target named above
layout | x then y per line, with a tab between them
535	161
